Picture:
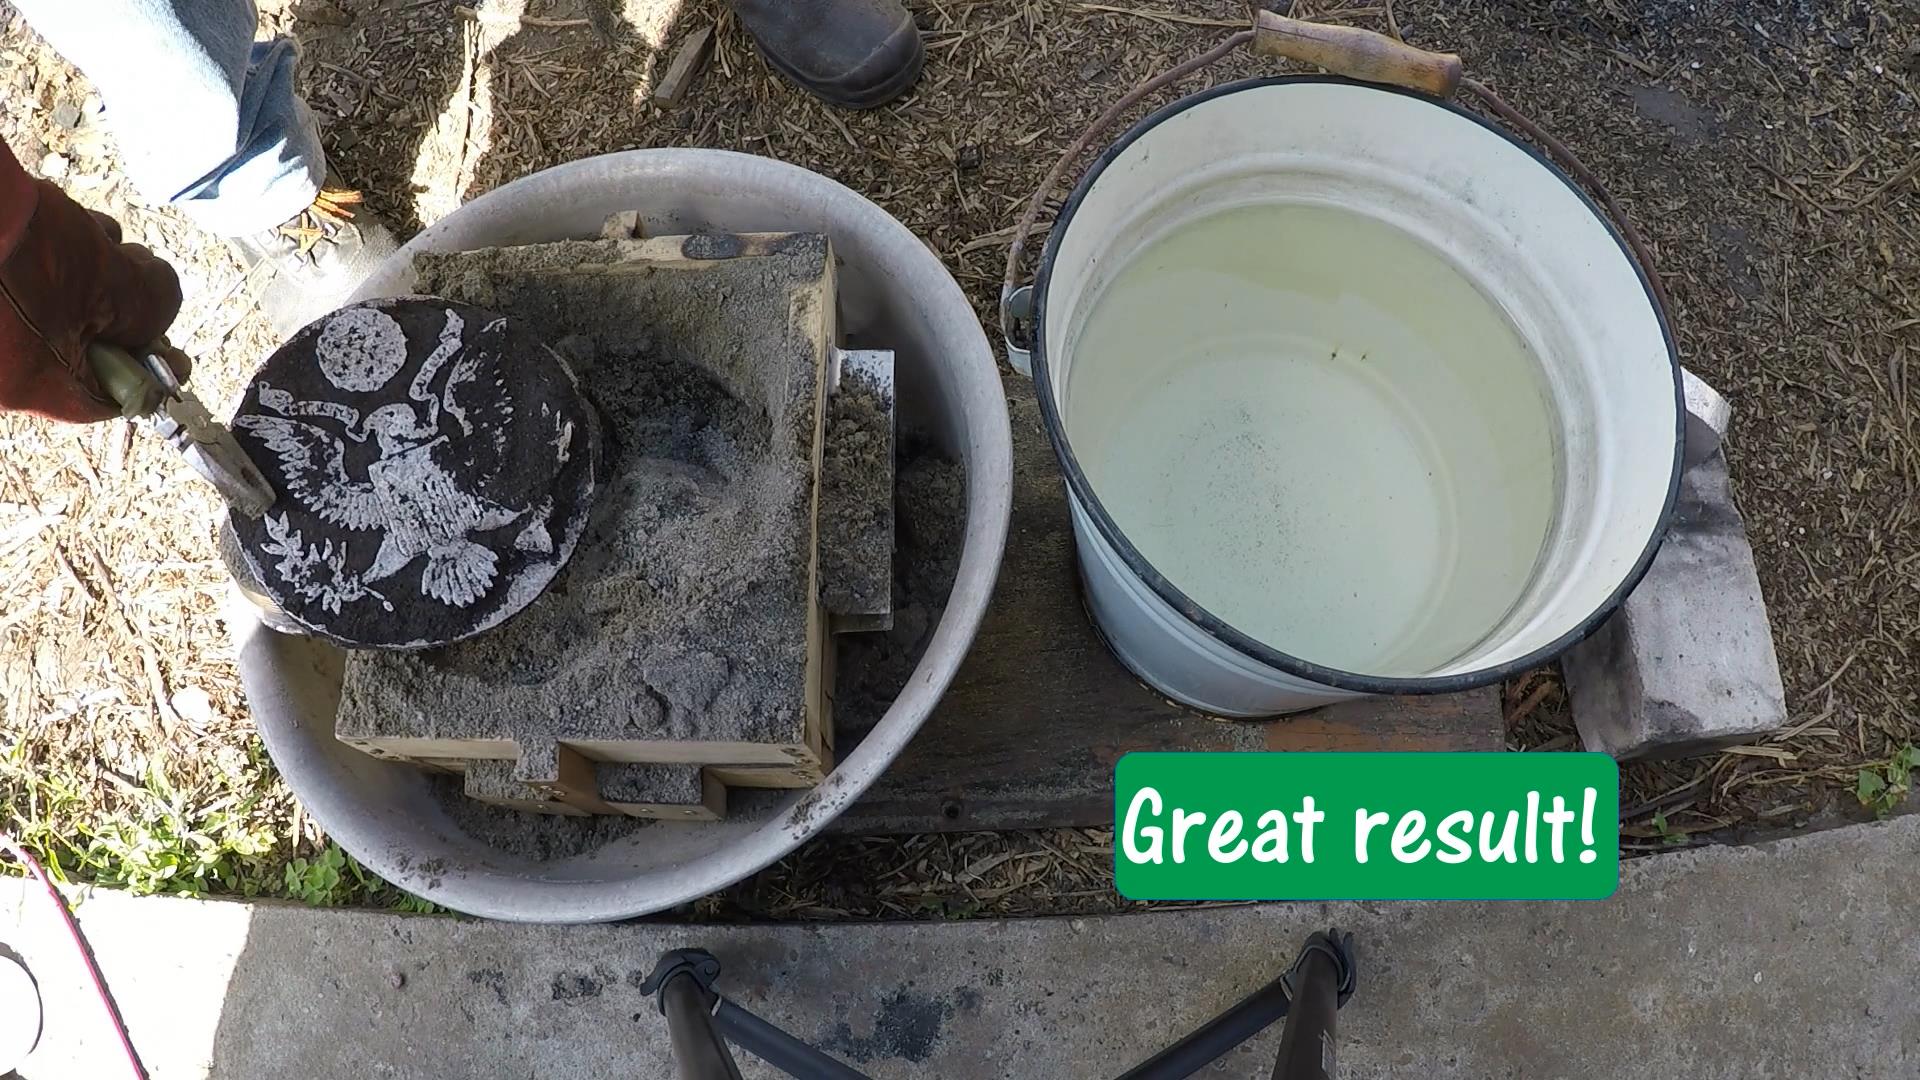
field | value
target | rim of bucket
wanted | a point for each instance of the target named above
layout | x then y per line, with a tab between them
1212	624
339	786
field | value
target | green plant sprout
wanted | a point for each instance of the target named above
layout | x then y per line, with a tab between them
1884	788
1668	835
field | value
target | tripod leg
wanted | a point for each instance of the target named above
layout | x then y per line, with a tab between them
778	1048
1247	1018
702	1023
1306	1043
698	1049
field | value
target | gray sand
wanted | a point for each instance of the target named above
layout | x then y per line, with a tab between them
495	782
856	498
541	837
615	782
930	503
930	510
683	613
663	785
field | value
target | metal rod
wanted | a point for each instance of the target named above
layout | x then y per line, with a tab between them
778	1048
1306	1044
1247	1018
698	1050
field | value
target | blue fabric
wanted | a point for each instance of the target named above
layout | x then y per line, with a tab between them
206	118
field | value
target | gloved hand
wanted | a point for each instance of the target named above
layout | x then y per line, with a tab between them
67	281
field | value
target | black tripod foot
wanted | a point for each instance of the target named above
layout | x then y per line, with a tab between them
698	963
1321	980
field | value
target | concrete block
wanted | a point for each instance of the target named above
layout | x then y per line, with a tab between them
1686	666
1708	415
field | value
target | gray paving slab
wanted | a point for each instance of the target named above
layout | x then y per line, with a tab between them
1686	665
1793	959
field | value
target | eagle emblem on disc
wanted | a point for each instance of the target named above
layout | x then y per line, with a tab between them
435	466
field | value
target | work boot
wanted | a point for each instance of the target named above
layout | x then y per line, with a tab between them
857	54
311	264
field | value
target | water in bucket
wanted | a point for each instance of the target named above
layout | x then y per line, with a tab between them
1316	428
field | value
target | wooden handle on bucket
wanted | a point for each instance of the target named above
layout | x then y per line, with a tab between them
1357	54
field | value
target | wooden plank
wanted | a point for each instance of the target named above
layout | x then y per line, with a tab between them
1029	732
429	747
684	68
679	793
794	758
623	225
766	776
818	309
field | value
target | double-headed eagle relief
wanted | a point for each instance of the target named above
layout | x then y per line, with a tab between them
435	468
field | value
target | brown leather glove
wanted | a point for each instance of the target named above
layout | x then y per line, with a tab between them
66	281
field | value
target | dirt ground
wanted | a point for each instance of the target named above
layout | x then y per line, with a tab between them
1768	151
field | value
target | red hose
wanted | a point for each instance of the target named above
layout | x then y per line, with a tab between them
25	857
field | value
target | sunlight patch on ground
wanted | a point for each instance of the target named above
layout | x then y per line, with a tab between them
461	134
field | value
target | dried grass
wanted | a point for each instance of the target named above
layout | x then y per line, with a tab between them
1768	156
125	746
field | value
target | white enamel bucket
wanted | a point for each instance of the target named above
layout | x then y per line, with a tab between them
1423	234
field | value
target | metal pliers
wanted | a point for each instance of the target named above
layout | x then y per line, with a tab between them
151	396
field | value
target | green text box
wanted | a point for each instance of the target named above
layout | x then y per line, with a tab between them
1497	813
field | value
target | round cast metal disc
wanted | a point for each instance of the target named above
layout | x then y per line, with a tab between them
435	466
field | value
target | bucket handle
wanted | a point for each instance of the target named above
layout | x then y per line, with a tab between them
1357	54
1343	50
